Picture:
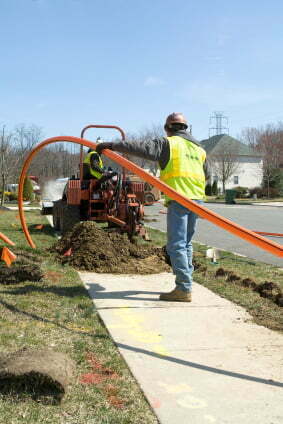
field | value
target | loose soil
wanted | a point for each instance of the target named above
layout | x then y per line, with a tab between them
107	251
267	289
26	267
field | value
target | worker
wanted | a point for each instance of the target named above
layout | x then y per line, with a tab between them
93	168
181	160
92	165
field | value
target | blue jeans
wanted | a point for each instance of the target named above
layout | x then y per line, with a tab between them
181	225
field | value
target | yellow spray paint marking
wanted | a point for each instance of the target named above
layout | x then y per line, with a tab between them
209	418
81	329
161	350
145	336
176	388
128	316
132	324
192	402
44	324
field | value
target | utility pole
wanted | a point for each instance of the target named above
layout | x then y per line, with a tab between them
216	124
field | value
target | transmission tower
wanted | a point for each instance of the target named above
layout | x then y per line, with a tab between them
216	124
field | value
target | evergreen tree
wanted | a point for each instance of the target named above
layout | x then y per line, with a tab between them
208	189
214	188
28	189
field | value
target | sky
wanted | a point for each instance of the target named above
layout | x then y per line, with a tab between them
66	64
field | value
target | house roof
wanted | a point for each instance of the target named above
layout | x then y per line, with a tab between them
214	144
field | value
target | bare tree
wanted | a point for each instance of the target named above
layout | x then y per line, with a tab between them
267	140
224	162
4	160
56	161
146	134
14	147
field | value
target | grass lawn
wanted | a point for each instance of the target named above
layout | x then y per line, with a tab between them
57	313
263	310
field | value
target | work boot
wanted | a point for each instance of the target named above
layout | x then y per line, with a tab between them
177	295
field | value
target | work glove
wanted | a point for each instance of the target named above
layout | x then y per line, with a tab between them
102	146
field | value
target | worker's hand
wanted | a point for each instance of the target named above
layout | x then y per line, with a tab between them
102	146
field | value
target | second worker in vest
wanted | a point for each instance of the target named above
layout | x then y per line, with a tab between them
93	168
181	161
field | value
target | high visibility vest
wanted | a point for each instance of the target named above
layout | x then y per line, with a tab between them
184	171
93	172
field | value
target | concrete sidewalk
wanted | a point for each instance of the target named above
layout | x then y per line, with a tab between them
276	204
200	362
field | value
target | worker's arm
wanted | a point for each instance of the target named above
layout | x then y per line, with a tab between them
156	150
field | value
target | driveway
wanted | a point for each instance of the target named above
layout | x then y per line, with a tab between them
254	217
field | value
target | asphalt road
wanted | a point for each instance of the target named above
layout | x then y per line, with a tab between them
253	217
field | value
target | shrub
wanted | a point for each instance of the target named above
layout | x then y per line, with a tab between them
8	195
275	178
214	188
263	192
241	191
208	190
256	190
28	189
13	196
273	192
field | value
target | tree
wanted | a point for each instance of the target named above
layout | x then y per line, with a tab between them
146	134
267	140
56	161
27	189
4	155
224	162
13	148
214	188
208	190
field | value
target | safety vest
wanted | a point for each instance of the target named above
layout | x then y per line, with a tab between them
93	172
184	171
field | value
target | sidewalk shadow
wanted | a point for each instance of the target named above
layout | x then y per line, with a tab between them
96	292
201	367
70	291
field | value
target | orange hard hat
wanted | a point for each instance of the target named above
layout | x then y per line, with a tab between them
175	118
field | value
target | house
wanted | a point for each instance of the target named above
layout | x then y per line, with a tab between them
241	163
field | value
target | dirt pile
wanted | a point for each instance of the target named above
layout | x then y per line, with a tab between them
105	251
267	289
25	268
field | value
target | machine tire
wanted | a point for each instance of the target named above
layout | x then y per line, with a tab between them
57	208
69	217
149	198
132	222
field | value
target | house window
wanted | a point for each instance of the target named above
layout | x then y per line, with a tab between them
236	179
